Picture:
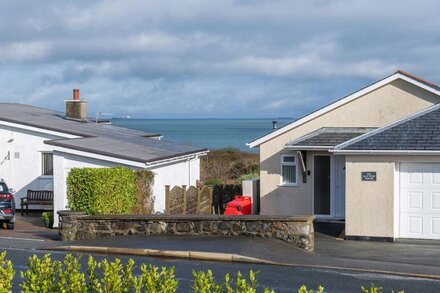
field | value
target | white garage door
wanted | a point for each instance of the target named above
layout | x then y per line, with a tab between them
420	200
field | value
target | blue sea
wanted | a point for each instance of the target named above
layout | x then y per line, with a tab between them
209	133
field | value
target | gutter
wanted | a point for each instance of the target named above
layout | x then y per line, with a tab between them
179	158
309	148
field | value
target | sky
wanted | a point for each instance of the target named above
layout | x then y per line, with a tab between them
210	58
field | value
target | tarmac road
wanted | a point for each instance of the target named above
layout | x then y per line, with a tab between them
282	279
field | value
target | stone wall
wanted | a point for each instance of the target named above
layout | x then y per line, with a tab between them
296	231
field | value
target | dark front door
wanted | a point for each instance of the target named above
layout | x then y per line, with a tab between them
321	185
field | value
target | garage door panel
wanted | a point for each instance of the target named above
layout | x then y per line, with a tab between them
416	178
419	211
415	225
415	200
436	176
435	201
436	226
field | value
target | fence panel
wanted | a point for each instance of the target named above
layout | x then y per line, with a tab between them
175	202
191	196
205	200
193	200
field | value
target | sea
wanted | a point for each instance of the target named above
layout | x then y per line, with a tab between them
209	133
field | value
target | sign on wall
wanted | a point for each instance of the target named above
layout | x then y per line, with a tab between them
368	176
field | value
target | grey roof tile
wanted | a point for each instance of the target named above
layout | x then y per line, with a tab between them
419	132
96	138
328	136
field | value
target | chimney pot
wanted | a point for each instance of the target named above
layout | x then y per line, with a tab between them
76	109
75	94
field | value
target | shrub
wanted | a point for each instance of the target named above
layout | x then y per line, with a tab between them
204	282
154	281
40	275
247	177
144	199
69	276
214	182
7	273
45	275
228	165
101	190
374	289
303	289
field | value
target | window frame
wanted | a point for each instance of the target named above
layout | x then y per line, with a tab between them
42	175
282	164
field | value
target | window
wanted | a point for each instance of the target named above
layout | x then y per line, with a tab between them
46	164
288	169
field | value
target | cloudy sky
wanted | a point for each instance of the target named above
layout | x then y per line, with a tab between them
210	58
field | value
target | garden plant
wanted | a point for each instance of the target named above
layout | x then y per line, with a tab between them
46	275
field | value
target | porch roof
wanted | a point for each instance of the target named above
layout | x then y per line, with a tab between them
326	138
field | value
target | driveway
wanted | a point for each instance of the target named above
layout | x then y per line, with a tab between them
30	226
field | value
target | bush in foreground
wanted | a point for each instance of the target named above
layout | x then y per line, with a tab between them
47	275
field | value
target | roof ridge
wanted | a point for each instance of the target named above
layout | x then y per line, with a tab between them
427	82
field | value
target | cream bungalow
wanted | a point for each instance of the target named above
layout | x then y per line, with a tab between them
361	159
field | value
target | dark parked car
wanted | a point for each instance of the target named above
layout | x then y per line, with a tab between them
7	205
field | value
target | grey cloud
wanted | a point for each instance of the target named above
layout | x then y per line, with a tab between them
202	58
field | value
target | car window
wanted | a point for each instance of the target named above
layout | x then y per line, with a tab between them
3	188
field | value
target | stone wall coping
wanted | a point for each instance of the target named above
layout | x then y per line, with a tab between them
183	218
64	213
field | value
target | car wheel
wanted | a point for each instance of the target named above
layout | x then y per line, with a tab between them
10	226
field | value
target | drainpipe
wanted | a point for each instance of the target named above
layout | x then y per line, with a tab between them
189	172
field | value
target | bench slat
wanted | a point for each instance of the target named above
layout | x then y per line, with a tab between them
37	197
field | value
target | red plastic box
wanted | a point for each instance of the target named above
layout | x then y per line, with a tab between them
241	205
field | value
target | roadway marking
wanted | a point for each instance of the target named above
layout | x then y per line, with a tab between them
19	238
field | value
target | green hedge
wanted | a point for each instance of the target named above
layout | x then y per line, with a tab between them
144	199
101	190
43	274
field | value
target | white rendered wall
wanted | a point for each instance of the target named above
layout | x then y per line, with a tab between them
21	170
185	172
182	173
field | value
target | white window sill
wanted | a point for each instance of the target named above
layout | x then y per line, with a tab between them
288	185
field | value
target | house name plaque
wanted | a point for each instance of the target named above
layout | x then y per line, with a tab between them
368	176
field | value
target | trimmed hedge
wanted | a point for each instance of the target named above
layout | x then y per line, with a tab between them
101	190
144	199
43	274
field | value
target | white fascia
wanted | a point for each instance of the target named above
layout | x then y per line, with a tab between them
385	152
37	129
177	159
124	161
98	157
309	148
339	103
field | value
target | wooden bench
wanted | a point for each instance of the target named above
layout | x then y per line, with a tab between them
36	197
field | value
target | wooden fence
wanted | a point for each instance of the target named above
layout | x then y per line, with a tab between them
191	200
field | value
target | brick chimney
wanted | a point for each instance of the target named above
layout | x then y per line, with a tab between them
76	109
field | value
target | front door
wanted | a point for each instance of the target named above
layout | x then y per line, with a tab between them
321	185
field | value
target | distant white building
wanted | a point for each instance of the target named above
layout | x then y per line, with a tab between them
39	146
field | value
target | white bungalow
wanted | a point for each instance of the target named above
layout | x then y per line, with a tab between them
39	146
